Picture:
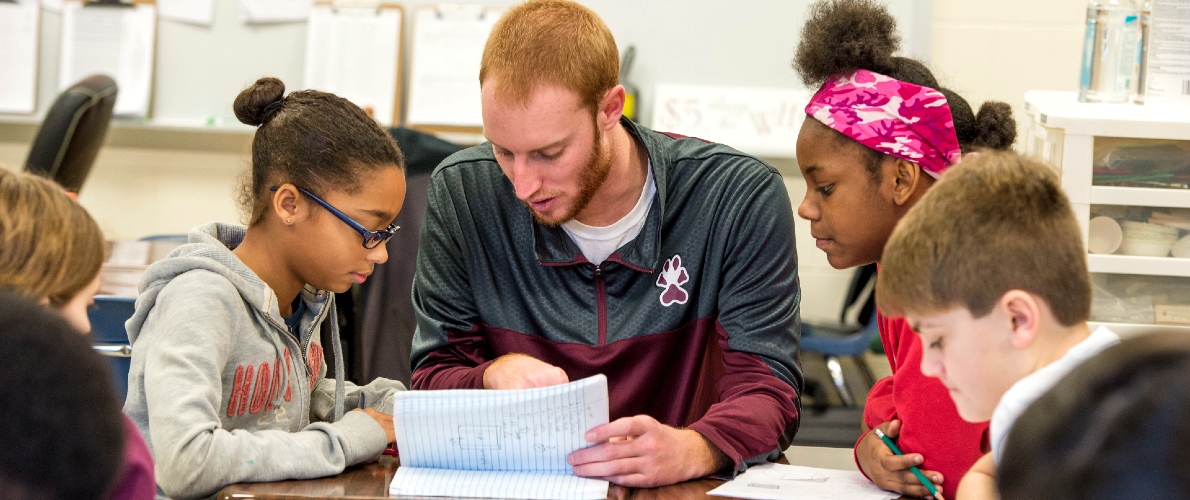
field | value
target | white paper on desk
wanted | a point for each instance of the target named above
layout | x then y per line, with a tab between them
510	443
353	53
274	11
113	41
19	24
793	482
200	12
419	482
447	46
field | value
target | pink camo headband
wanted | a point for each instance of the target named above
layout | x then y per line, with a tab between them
907	121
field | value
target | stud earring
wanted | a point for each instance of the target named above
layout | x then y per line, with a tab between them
289	221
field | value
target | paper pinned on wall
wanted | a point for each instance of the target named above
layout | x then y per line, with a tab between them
446	49
52	5
200	12
758	121
353	52
19	24
275	11
113	41
498	444
793	482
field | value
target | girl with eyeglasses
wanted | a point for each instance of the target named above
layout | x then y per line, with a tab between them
229	381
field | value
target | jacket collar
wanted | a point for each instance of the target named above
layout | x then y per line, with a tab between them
555	248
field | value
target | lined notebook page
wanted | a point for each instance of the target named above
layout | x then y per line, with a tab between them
497	436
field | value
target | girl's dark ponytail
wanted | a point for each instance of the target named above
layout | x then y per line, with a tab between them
995	127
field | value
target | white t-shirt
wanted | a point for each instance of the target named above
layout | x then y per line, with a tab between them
1026	390
597	243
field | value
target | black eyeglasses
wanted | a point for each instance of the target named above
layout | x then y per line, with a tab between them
372	239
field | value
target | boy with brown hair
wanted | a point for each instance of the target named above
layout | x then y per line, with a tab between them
990	271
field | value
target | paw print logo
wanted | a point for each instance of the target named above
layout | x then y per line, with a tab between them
672	277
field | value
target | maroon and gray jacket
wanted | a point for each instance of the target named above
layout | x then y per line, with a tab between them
694	322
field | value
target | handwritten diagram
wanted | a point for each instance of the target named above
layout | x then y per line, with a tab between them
505	444
529	430
479	437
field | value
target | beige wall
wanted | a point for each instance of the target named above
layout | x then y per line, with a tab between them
139	192
996	50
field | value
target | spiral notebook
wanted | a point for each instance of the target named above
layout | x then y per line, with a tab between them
498	444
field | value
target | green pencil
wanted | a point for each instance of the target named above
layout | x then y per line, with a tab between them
916	472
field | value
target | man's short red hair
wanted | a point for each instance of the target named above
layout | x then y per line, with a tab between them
550	42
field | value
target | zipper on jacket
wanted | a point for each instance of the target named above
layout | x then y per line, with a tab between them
303	383
304	347
318	319
601	302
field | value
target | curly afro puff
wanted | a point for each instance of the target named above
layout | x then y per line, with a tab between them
841	36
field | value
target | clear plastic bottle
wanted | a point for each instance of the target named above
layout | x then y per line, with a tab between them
1138	93
1111	51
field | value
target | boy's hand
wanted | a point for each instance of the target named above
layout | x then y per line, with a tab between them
520	371
891	471
385	420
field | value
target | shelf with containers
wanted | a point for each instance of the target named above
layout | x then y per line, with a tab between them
1126	170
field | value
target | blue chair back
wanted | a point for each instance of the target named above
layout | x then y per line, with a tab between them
854	344
180	238
111	339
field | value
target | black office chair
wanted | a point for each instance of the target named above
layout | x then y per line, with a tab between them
69	139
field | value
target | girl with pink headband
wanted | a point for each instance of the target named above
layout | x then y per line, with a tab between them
879	131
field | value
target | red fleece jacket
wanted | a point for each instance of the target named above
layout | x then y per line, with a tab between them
930	423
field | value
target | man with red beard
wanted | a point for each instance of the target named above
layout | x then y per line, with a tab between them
576	242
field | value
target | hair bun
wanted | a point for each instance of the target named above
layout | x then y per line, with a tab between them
995	127
252	104
841	36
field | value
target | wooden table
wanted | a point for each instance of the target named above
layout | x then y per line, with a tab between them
371	481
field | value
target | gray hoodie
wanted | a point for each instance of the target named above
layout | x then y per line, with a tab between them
230	394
